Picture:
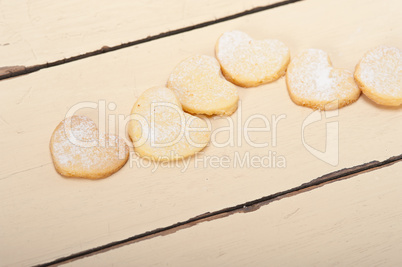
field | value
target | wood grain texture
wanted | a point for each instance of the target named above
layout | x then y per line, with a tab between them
45	216
355	222
36	32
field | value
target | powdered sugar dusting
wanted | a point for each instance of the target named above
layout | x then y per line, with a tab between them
162	132
381	69
311	77
76	145
240	55
199	86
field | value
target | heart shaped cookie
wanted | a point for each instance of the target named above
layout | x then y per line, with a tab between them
79	150
248	62
379	75
201	89
313	82
161	130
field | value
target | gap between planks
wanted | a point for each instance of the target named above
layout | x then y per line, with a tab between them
249	206
14	71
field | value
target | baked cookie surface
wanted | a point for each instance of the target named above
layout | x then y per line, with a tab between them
79	150
200	87
313	82
247	62
161	131
379	75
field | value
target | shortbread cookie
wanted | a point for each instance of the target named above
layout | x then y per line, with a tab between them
248	62
379	75
201	89
79	150
161	131
314	83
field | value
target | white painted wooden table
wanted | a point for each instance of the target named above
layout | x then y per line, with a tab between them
307	213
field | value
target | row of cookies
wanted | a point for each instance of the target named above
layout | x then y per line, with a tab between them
161	128
311	80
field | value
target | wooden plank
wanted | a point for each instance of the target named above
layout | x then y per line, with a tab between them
354	222
36	32
45	216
